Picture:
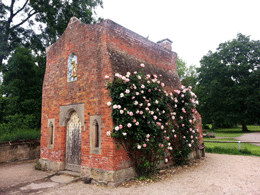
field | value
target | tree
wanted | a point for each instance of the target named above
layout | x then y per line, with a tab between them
52	15
188	75
229	80
21	88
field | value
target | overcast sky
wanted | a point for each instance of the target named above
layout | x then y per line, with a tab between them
194	26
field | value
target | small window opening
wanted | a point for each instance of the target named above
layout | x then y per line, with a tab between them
51	135
96	135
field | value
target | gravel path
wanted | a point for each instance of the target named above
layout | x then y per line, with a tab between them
216	174
250	137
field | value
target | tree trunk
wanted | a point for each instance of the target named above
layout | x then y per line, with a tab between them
213	125
244	128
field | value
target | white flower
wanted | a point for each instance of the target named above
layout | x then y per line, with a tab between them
109	103
189	145
128	73
142	91
166	160
139	147
118	106
108	133
135	72
137	123
122	95
139	77
121	111
147	108
127	91
124	134
116	128
142	86
106	76
115	106
129	125
155	117
152	112
117	74
141	104
136	103
137	93
148	104
156	101
142	65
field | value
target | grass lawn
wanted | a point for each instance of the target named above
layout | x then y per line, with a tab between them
232	148
236	131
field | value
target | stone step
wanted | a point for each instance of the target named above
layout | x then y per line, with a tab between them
71	173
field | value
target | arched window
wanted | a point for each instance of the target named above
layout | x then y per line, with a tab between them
95	134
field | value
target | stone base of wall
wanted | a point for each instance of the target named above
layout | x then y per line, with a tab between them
19	150
196	154
106	177
110	178
52	165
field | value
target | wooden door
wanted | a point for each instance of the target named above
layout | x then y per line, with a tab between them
73	143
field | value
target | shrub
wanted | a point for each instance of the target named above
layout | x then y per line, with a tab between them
151	124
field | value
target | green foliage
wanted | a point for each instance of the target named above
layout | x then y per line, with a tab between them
188	75
150	123
19	19
20	92
20	134
229	81
20	102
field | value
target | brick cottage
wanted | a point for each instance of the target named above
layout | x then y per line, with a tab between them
75	117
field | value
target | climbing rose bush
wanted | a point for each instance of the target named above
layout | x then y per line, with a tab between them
151	124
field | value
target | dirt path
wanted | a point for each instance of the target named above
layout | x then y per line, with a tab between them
217	174
16	173
250	137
